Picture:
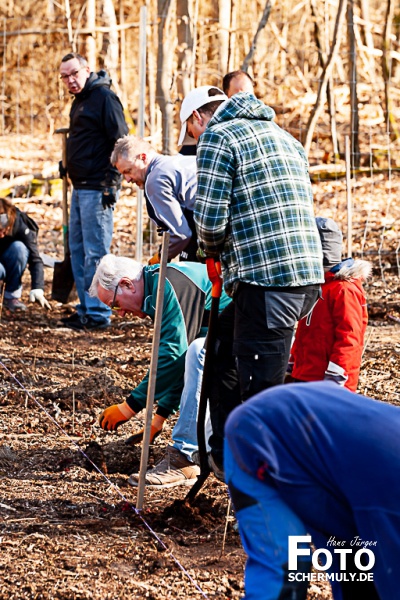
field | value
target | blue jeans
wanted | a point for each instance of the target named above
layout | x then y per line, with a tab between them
13	263
90	234
265	522
184	434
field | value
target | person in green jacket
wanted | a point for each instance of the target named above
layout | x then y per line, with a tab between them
127	286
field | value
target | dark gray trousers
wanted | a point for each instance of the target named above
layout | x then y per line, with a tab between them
253	345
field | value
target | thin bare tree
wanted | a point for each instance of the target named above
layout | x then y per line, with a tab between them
263	21
164	73
91	40
390	119
67	12
225	8
329	88
319	104
110	49
185	55
354	115
368	37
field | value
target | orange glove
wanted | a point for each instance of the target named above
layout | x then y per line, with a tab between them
155	259
111	418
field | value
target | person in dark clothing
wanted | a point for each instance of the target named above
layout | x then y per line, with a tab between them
18	248
237	81
96	123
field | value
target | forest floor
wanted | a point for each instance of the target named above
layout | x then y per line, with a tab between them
70	532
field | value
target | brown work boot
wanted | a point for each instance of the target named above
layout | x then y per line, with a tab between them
173	469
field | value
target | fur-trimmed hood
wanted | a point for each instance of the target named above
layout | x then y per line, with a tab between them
351	269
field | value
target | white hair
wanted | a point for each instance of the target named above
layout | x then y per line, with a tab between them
111	269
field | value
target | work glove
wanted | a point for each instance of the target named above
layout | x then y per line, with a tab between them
109	197
155	430
335	373
111	418
62	170
38	296
155	259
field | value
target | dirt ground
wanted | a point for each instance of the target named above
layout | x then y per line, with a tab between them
70	532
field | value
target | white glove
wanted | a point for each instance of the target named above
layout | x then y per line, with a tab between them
336	373
38	296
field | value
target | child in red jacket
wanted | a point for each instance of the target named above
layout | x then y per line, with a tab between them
330	340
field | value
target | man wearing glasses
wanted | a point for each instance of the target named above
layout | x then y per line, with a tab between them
96	123
128	287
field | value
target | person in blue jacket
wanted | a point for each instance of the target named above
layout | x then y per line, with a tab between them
314	462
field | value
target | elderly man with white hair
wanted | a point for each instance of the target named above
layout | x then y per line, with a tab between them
129	287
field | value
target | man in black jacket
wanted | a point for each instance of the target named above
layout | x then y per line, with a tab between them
96	123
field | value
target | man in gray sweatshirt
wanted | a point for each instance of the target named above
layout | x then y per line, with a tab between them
169	184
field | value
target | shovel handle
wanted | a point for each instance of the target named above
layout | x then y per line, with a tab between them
214	275
64	132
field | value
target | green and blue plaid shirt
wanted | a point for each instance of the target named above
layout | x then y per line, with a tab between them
254	202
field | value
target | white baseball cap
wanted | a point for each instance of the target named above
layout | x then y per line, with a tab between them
195	100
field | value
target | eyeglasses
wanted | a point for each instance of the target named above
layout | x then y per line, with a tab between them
73	75
113	305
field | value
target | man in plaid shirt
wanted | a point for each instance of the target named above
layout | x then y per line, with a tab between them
254	210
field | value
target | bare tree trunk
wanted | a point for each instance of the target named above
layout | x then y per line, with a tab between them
154	113
387	72
195	41
123	87
290	59
50	10
263	21
369	40
90	40
329	87
110	49
224	34
184	15
122	55
232	40
67	9
319	104
354	117
164	73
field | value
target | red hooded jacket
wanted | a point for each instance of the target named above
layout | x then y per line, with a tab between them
329	341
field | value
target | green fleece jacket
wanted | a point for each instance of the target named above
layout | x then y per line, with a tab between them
187	300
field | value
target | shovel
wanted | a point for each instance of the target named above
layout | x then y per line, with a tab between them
214	274
63	279
151	388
